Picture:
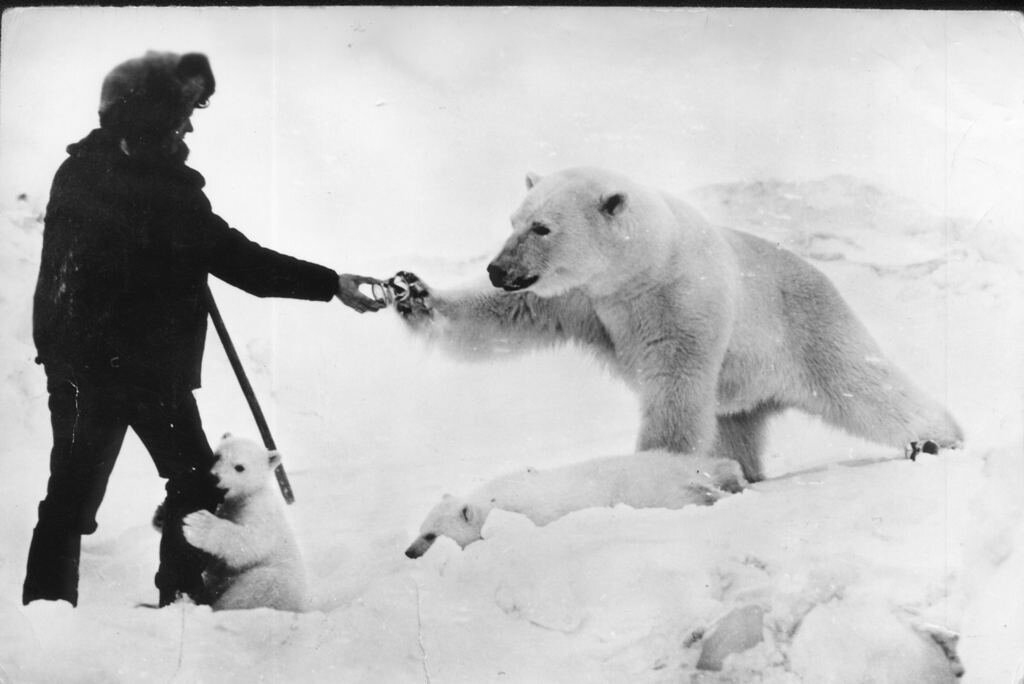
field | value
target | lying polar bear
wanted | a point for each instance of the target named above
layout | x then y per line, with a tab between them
651	479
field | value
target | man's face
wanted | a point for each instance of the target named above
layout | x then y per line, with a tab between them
177	136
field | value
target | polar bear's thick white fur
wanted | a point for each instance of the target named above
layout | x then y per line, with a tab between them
656	479
256	560
715	329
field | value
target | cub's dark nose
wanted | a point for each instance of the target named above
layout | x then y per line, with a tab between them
497	275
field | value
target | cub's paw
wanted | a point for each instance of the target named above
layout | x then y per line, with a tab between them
412	296
198	528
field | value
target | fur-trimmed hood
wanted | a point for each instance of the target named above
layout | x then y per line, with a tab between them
150	95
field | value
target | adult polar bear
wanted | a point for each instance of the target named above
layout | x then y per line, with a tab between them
715	329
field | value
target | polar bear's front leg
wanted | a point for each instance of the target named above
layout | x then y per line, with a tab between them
677	419
677	379
479	322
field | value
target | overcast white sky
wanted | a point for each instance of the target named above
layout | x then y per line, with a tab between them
317	107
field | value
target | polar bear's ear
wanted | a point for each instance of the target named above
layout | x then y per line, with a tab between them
532	179
274	458
612	205
225	435
467	513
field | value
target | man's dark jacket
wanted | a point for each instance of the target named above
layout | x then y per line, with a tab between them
127	248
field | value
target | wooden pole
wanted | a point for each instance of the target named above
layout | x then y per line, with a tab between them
250	396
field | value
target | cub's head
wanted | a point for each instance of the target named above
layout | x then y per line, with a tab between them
242	467
454	518
570	229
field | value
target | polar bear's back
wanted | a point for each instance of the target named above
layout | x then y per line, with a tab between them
779	286
652	479
660	479
788	317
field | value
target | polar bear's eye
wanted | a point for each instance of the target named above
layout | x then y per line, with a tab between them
239	468
539	229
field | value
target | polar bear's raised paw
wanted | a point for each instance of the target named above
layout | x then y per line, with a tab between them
412	296
925	447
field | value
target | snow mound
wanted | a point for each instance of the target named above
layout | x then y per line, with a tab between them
791	568
844	218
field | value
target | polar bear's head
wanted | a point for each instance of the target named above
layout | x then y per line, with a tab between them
575	228
457	519
242	467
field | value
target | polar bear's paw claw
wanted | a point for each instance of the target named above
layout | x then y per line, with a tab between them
923	447
412	296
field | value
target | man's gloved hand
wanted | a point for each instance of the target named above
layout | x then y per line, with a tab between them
349	294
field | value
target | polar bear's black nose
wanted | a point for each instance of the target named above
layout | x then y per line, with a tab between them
497	274
421	545
509	281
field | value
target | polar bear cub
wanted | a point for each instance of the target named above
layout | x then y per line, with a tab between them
256	561
654	479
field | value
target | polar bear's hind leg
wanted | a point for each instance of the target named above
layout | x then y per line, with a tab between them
856	389
741	438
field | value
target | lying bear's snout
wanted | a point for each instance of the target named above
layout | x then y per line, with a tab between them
420	546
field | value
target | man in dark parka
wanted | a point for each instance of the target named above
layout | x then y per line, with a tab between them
119	320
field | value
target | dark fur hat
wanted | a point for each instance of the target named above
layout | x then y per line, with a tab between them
150	95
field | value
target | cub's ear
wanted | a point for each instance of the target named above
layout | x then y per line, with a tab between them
532	179
225	435
274	458
467	513
612	205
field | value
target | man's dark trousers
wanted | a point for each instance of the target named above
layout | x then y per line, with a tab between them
89	422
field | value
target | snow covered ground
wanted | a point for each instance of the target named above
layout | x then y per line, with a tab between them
885	148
